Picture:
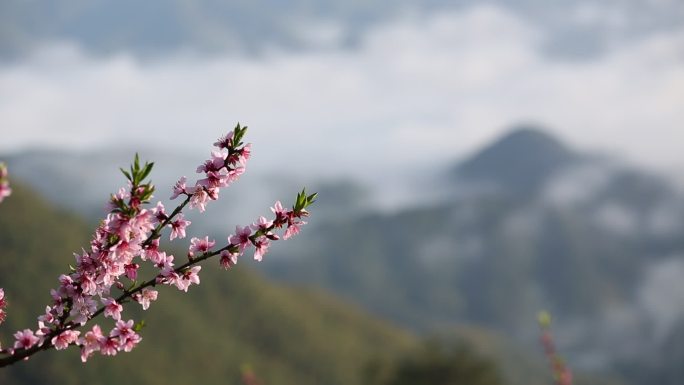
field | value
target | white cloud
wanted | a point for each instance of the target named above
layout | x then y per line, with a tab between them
421	89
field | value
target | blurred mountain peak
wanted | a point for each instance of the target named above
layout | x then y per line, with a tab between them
519	162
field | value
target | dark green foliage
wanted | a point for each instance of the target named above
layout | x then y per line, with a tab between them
439	363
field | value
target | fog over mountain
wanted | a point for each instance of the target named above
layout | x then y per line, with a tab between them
594	240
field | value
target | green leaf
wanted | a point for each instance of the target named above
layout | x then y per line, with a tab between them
311	198
238	134
136	162
127	174
303	201
146	171
139	326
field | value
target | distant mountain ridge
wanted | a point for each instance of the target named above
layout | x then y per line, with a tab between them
521	161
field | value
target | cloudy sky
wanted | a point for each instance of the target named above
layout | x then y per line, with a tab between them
420	87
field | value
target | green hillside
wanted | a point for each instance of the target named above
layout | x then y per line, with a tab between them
234	318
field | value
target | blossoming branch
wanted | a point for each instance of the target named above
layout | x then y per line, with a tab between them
561	373
105	277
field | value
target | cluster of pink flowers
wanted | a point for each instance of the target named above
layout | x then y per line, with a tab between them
224	167
5	189
105	275
260	233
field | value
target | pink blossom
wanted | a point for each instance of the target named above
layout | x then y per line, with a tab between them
245	154
224	141
163	261
241	238
213	193
234	174
131	271
141	224
57	301
178	227
145	297
109	346
82	308
25	339
200	246
169	277
125	334
277	208
122	329
280	213
159	213
122	194
218	160
150	251
5	190
124	251
261	247
180	188
188	278
293	229
112	308
85	263
228	259
214	180
42	331
215	163
262	224
64	339
65	280
48	317
199	199
88	285
91	342
129	343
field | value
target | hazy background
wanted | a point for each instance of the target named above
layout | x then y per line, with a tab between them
385	108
